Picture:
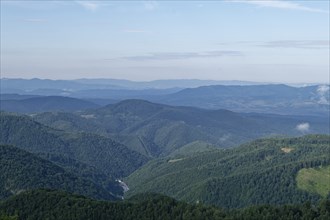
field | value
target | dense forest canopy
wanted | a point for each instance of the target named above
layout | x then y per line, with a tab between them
45	204
260	172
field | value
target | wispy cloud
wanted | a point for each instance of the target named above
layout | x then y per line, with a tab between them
35	5
135	31
150	5
181	55
89	5
299	44
288	5
34	20
302	44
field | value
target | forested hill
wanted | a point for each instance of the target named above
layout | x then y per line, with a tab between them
261	172
53	205
21	171
105	154
157	130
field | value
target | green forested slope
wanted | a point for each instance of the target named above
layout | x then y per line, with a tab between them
21	171
23	132
113	158
69	122
260	172
157	130
195	147
85	171
45	204
105	154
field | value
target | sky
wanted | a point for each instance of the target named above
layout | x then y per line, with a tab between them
249	40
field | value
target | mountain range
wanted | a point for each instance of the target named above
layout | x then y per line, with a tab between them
234	96
82	84
277	99
158	130
74	149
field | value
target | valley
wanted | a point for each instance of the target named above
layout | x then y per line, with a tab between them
164	110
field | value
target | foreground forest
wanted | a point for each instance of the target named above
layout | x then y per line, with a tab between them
46	204
274	171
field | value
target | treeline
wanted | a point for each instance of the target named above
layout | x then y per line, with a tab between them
47	204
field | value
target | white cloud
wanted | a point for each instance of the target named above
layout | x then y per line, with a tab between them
288	5
323	92
303	127
91	6
323	89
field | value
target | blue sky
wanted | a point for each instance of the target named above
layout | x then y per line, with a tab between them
266	41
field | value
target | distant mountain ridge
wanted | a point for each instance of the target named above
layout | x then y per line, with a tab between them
46	103
277	99
232	95
82	84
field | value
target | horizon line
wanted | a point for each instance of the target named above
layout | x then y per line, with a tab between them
169	79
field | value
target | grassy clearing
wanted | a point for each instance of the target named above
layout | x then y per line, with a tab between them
286	149
315	180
